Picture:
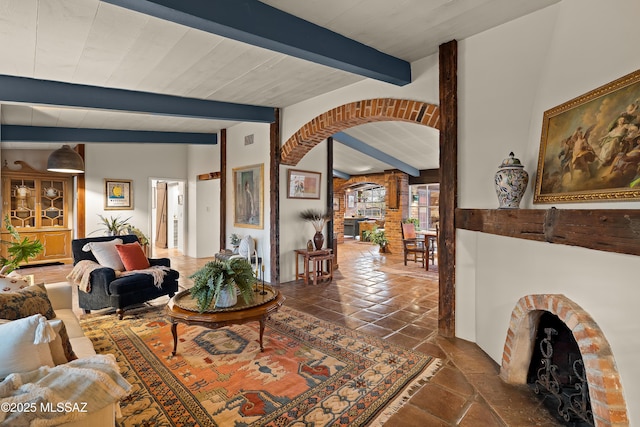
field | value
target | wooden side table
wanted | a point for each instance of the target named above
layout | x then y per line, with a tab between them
313	265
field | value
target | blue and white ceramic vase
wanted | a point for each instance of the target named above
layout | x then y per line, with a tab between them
511	182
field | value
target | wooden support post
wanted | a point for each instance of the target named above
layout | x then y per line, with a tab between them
448	186
274	171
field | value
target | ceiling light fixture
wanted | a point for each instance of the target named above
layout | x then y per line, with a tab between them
65	160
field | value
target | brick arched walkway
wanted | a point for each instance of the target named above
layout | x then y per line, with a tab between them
354	114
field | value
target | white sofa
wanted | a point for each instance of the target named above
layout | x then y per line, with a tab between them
60	295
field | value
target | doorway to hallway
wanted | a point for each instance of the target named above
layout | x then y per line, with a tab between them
167	216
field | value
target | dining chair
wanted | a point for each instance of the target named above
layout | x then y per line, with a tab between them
412	244
433	246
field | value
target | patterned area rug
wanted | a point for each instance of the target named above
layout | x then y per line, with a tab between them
311	373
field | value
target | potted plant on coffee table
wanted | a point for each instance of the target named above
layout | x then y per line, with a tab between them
219	282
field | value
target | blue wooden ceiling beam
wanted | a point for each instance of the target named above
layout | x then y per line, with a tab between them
259	24
48	92
16	133
340	174
370	151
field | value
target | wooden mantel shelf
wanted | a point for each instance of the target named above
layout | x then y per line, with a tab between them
610	230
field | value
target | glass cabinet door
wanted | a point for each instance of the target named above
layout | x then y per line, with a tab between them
52	207
22	212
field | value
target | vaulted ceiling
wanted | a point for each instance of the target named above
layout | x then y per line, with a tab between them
235	57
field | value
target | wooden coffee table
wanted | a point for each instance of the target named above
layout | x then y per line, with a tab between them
225	317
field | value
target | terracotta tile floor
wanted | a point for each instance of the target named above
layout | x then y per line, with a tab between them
376	294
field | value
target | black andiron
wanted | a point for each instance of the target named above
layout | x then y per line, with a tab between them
572	396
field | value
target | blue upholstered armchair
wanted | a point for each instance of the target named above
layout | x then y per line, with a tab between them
107	290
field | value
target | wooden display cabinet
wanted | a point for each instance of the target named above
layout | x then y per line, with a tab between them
38	206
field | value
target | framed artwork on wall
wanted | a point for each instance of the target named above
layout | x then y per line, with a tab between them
118	194
303	184
248	196
590	146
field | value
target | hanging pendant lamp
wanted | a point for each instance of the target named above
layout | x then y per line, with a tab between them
65	160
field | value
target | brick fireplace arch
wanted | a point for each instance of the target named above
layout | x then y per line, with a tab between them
605	389
354	114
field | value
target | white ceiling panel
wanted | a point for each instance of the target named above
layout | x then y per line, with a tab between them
99	119
63	28
18	21
353	162
95	43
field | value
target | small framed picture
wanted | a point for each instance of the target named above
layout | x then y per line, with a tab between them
118	194
336	203
303	184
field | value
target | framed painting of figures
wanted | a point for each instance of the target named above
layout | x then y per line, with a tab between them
590	146
248	197
303	184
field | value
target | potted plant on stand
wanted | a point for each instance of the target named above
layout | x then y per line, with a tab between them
318	219
221	281
18	250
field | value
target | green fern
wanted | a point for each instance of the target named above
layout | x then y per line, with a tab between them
215	275
18	249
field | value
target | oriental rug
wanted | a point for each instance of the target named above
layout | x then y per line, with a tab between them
312	372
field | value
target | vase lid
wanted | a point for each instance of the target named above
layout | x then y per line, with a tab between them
511	161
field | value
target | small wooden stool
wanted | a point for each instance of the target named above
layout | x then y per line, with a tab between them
318	272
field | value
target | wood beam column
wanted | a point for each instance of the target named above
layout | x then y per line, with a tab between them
330	238
223	188
448	186
81	205
274	171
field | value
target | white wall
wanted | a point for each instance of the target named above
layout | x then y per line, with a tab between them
508	77
208	218
294	233
202	202
136	162
240	155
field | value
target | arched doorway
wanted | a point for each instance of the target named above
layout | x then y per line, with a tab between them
354	114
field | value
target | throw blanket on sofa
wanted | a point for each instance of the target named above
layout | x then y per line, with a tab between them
82	272
52	396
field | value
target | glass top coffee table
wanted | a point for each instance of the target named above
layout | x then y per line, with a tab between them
182	309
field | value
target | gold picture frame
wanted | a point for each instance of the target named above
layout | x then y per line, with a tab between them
248	203
118	194
590	146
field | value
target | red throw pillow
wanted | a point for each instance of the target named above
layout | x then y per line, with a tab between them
133	256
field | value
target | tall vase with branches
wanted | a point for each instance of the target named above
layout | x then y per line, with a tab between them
318	219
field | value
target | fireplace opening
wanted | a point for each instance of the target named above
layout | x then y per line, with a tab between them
557	374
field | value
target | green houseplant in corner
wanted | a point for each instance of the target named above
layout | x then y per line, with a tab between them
18	249
219	282
377	237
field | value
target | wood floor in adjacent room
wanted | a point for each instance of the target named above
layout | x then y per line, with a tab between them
376	294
